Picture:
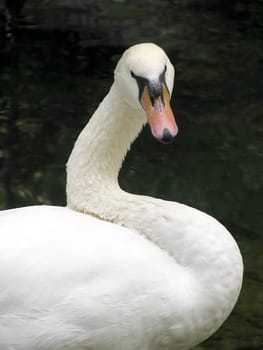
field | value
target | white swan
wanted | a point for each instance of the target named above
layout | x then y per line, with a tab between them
152	275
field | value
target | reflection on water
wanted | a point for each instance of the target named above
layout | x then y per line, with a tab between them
60	67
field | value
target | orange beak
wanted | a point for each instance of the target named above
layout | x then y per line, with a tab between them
159	115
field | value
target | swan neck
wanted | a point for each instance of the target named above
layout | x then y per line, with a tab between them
99	151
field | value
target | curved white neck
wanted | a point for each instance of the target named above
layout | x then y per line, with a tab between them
200	247
101	147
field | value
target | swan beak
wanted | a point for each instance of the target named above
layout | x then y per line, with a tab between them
159	114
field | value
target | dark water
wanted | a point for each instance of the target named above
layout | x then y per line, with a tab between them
56	65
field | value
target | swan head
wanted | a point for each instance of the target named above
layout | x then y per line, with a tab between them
145	76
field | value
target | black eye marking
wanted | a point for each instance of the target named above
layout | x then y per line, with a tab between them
162	75
142	82
154	87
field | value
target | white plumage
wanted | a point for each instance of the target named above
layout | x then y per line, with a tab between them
115	270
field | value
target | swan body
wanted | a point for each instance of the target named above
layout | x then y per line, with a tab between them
114	270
